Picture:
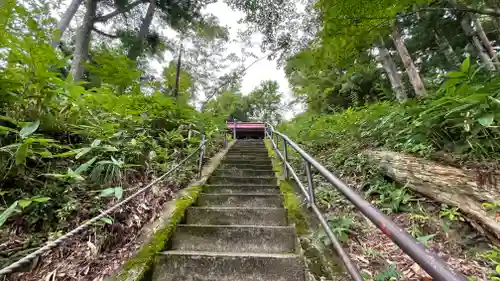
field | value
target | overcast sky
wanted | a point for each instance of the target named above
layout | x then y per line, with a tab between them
260	71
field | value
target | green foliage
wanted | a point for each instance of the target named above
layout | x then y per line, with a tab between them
116	191
460	118
492	207
424	239
68	141
451	214
391	197
341	227
493	257
262	104
389	273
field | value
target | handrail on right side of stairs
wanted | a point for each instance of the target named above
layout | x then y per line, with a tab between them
432	264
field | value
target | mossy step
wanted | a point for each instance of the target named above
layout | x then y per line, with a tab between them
241	188
247	157
211	266
240	200
246	165
243	173
235	238
236	216
242	180
256	152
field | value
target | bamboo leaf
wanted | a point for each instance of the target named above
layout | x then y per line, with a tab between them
22	154
486	120
8	213
83	151
85	166
118	193
29	129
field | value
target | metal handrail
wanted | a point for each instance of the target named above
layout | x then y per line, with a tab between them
433	265
52	244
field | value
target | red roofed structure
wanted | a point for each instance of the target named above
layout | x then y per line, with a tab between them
244	130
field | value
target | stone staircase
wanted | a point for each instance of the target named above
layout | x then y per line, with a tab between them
238	229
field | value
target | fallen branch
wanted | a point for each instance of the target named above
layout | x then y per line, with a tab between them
445	184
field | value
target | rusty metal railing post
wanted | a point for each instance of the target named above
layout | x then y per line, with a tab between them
285	154
202	153
310	182
432	264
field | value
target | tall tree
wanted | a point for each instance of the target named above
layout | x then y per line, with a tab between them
82	41
392	72
63	23
136	48
415	79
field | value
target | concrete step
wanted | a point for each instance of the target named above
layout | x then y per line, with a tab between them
250	158
260	153
236	216
213	266
240	200
242	180
243	173
241	188
246	165
235	238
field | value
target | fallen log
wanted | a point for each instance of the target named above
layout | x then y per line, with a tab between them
460	188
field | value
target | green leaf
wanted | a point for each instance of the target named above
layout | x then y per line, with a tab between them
29	129
107	220
95	143
73	175
497	268
107	192
40	199
109	148
7	129
424	239
38	140
83	151
85	166
118	193
8	212
9	119
455	75
23	203
465	65
494	99
65	154
21	154
486	120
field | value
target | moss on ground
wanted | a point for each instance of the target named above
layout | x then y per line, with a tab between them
144	259
291	201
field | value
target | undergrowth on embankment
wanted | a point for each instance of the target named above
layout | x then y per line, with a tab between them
456	125
69	150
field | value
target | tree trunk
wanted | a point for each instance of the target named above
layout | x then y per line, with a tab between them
445	184
413	74
136	48
119	11
483	55
82	43
63	24
444	44
392	72
484	39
